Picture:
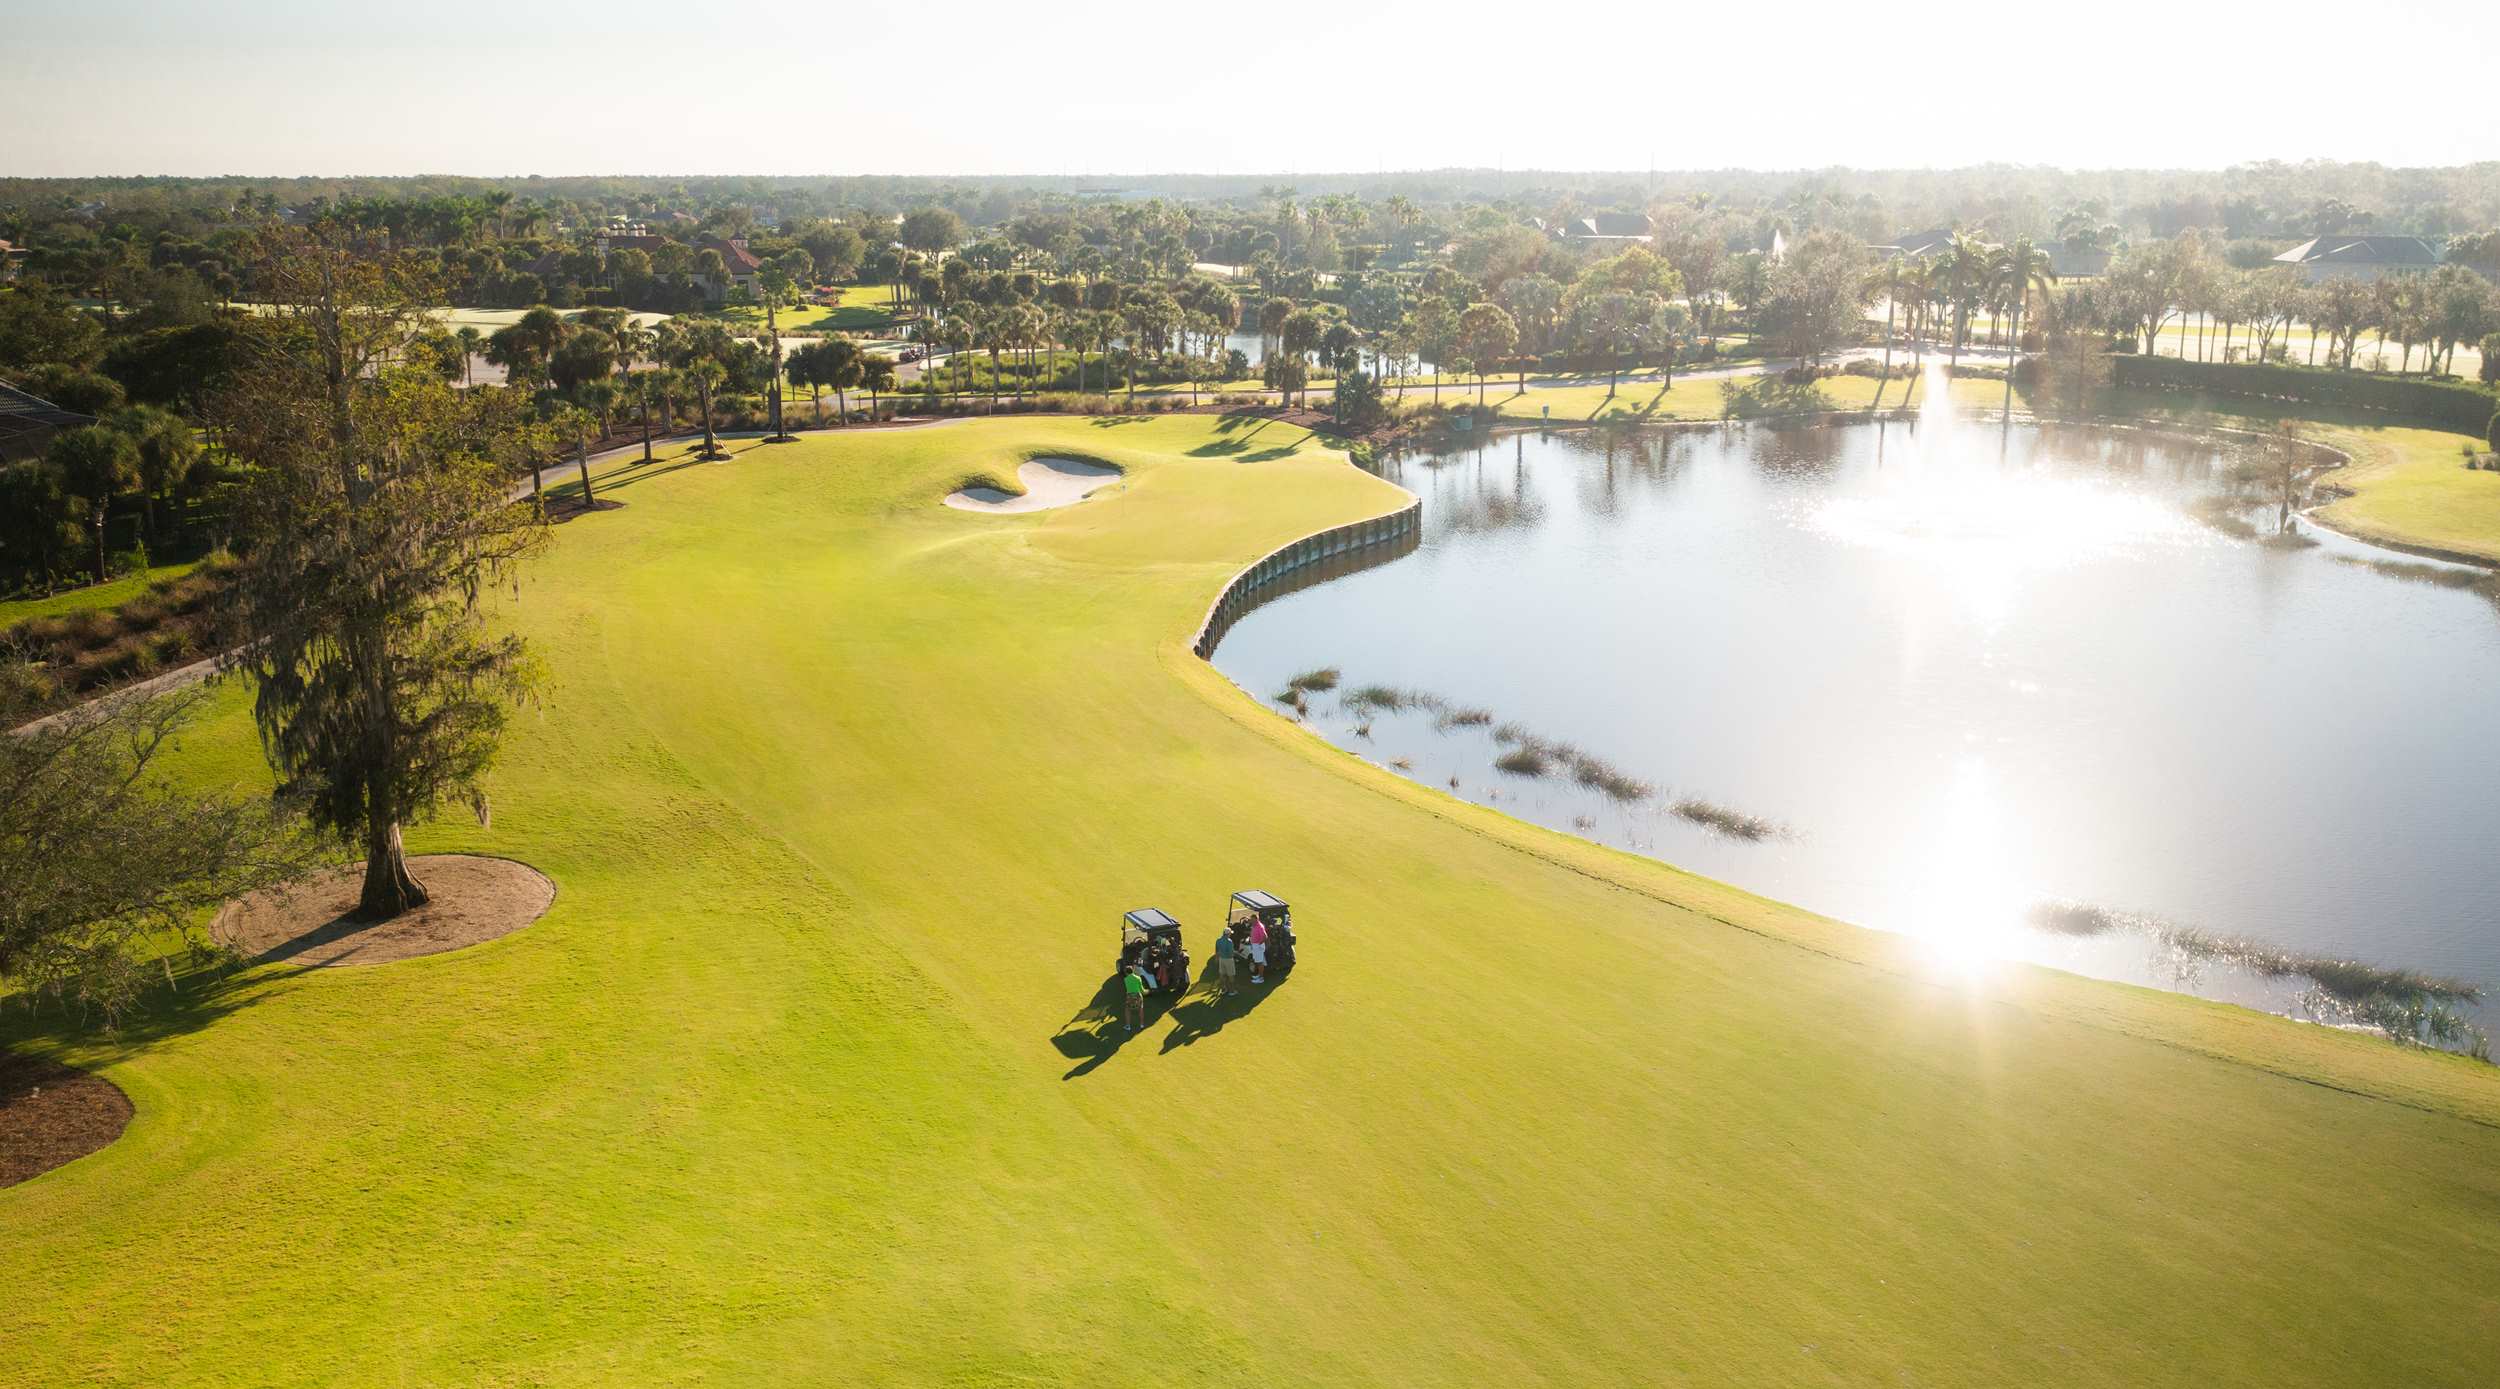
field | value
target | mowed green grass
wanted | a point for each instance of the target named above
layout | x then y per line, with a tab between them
110	594
2406	486
802	1079
858	308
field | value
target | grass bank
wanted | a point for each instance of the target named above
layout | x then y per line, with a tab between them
805	1077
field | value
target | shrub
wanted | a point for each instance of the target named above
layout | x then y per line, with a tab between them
2448	405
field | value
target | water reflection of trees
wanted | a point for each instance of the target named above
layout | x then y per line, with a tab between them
1483	488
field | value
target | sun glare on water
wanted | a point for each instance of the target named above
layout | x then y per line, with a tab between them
1950	504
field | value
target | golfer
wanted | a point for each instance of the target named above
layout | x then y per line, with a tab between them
1258	951
1135	983
1224	961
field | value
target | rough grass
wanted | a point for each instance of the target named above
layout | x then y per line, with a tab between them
804	1077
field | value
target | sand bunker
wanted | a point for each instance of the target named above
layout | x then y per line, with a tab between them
471	899
1048	483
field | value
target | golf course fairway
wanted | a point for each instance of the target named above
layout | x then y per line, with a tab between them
803	1079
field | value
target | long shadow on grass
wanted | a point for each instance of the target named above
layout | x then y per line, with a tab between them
1097	1032
1208	1006
199	991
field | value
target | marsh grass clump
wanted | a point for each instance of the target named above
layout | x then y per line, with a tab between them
2407	1005
1403	764
1363	729
1719	819
2074	918
1524	761
1449	717
1616	784
1318	681
1388	698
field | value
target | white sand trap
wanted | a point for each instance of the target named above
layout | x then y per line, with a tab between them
1048	482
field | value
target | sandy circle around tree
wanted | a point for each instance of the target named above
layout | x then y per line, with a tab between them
314	922
51	1114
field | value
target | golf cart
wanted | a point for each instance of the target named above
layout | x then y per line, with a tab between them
1151	940
1267	908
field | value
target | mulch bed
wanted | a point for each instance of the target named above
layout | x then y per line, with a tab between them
51	1114
314	922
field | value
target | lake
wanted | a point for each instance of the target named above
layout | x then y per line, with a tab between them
1962	673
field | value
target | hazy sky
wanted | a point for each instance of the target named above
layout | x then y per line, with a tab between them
1036	86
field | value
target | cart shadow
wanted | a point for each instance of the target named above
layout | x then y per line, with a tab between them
1208	1006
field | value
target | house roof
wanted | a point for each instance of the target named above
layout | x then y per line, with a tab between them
740	260
2363	250
1918	243
26	421
1611	224
2067	263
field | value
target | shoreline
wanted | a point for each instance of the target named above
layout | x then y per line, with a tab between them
1221	615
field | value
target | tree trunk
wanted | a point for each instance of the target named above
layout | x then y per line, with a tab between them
2013	354
646	429
389	887
97	527
582	457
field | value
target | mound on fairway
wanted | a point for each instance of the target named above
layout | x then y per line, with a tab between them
799	1082
1048	483
472	899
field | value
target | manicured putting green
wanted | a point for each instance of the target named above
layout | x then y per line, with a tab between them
803	1078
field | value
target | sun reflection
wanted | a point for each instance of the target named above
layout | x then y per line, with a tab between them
1963	904
1982	522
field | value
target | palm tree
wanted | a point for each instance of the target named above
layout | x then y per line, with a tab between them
645	384
803	368
705	375
471	342
2019	269
773	284
1886	279
1964	269
876	374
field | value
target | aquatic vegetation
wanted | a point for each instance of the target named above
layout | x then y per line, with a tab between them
1315	681
1735	824
2409	1006
1597	775
1524	761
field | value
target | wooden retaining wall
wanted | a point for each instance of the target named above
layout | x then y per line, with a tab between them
1352	546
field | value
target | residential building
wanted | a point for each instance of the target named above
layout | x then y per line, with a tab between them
28	422
2360	257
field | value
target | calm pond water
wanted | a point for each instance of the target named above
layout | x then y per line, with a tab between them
1966	672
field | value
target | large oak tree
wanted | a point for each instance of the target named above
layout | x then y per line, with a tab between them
378	517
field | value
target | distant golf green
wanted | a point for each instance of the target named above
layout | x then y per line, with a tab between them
806	1077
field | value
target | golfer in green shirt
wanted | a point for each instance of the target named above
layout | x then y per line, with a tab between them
1135	983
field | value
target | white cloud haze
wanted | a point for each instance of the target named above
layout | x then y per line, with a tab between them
271	87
